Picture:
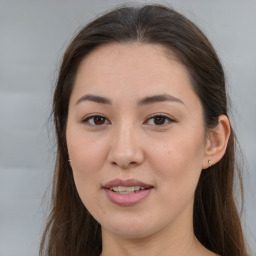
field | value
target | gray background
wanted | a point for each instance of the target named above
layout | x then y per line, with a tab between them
33	36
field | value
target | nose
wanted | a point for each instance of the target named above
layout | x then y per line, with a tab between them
126	150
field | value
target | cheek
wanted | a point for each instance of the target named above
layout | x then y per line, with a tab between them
86	152
178	161
86	169
177	173
87	159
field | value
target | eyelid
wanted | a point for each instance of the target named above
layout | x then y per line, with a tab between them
168	117
85	119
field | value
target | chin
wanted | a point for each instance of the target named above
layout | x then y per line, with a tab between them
132	228
131	233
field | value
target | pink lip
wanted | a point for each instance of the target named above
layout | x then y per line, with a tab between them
127	199
126	183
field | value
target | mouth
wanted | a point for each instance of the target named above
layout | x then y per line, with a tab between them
126	186
127	192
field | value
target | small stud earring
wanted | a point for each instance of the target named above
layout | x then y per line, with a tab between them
210	163
69	160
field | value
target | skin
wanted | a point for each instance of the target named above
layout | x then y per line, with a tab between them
128	143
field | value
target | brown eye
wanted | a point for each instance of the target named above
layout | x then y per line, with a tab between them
99	120
159	120
96	120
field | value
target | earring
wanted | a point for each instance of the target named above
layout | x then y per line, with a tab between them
210	163
69	160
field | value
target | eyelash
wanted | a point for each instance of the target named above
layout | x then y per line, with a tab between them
167	120
92	117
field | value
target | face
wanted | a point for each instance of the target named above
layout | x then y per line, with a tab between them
136	139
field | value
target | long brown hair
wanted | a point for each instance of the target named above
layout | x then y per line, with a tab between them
70	229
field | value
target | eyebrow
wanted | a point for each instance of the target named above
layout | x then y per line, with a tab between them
145	101
159	98
94	98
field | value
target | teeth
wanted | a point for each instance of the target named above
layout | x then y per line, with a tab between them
126	190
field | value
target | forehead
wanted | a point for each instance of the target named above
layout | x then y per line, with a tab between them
132	70
131	56
119	50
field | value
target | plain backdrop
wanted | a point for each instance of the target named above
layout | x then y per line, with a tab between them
33	37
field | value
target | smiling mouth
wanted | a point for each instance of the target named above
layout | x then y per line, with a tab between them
126	190
127	193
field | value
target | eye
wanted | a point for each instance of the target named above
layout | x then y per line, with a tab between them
159	120
95	120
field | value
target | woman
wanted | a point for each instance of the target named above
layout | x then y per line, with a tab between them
145	161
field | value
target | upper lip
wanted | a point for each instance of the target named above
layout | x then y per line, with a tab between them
126	183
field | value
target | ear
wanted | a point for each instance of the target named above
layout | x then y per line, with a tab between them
216	144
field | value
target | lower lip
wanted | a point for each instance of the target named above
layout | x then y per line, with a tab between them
127	199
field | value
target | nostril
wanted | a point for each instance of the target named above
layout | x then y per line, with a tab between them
125	157
125	165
